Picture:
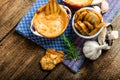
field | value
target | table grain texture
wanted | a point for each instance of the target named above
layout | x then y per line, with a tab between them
19	57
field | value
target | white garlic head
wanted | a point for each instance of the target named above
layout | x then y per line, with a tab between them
91	50
104	6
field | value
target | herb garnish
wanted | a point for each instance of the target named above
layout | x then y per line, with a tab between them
72	53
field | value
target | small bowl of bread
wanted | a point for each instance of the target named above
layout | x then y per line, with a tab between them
51	20
87	23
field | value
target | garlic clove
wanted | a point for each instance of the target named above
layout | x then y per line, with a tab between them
104	6
97	8
95	2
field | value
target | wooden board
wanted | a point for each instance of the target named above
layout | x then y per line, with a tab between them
11	11
19	57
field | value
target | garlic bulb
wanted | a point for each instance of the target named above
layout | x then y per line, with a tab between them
104	6
92	49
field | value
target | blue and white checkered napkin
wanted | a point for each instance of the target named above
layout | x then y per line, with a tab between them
23	28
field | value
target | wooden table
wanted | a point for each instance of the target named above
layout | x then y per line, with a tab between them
19	57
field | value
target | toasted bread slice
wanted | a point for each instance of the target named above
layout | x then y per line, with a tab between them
82	15
79	29
89	26
51	59
83	27
79	2
92	18
97	28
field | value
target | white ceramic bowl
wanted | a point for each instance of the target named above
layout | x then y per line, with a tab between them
80	35
68	11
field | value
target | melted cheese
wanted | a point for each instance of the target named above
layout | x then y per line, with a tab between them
49	25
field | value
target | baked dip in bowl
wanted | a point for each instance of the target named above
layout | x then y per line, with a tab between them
51	20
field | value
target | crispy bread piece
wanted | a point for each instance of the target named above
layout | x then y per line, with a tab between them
92	18
83	27
51	2
97	28
79	29
52	7
82	15
89	25
51	59
99	15
47	11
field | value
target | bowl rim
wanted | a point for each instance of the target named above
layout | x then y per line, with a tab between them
80	35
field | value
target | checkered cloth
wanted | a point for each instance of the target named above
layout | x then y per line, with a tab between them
23	28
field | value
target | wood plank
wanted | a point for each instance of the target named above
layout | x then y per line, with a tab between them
11	11
19	59
107	67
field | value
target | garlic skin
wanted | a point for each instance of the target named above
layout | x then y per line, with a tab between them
113	35
104	6
92	50
102	36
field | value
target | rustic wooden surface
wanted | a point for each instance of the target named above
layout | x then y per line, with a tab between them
19	57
